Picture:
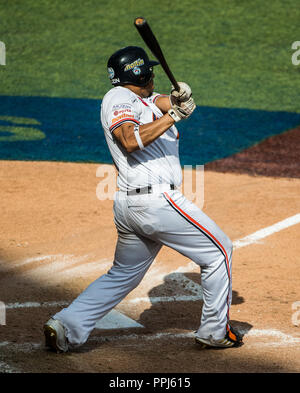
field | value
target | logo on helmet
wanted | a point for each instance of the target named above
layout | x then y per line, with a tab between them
137	63
111	72
136	70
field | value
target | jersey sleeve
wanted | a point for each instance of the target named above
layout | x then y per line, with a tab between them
120	111
155	96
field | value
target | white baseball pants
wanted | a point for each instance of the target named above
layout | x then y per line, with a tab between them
145	223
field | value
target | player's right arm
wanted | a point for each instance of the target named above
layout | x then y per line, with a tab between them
128	134
121	112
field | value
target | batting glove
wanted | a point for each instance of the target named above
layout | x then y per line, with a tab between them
183	111
183	94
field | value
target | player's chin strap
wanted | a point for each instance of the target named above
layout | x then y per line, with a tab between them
138	137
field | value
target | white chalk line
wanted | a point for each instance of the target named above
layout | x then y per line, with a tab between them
162	299
283	340
280	339
265	232
5	368
35	259
10	306
69	265
62	303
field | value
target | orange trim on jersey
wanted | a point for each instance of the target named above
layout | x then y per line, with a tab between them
126	120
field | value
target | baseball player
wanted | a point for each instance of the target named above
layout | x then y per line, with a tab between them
149	210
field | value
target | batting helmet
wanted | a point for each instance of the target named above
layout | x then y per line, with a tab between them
130	65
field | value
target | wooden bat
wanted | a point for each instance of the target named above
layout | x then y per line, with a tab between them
150	40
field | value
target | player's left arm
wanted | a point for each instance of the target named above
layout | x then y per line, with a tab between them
163	103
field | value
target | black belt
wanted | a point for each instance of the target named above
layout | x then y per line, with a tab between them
145	190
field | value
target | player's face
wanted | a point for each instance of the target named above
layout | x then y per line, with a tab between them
148	89
145	91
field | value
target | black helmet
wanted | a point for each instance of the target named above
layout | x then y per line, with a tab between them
130	65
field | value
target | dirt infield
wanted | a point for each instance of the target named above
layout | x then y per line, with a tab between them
56	237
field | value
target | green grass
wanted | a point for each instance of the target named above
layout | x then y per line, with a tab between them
234	53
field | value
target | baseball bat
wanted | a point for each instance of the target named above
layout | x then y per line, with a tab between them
150	40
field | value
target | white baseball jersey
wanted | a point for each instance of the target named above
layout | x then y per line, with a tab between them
159	161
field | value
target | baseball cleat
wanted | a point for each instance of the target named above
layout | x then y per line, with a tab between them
231	339
55	337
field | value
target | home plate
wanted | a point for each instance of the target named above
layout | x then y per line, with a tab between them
115	320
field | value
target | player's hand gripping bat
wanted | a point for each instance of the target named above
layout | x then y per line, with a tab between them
150	40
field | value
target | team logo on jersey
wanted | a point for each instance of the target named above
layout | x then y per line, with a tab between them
123	116
111	72
121	106
116	113
137	63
